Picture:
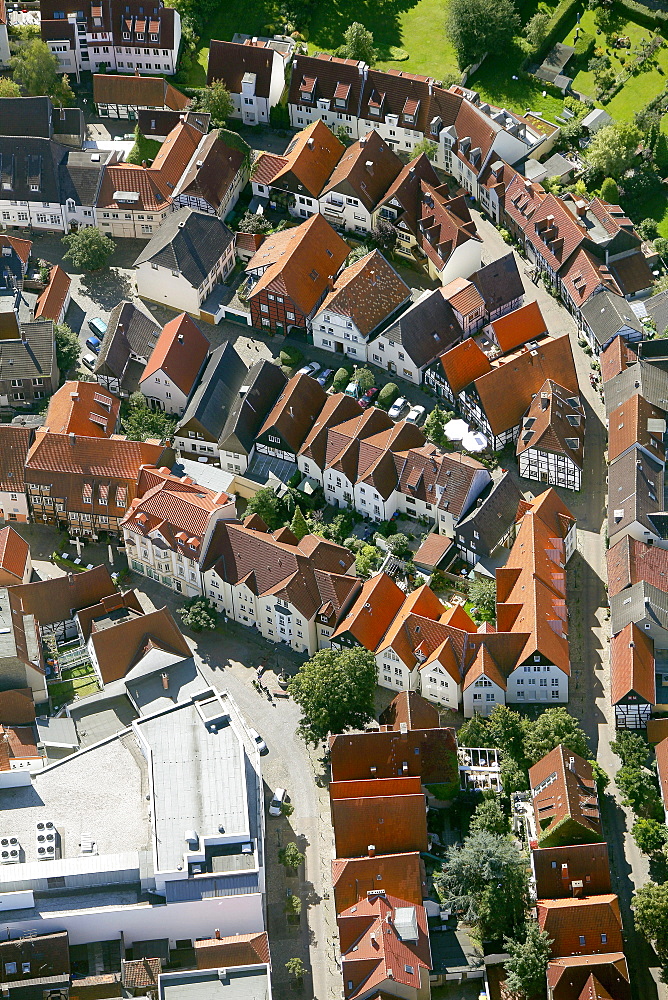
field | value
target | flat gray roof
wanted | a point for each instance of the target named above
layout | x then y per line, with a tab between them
198	778
236	984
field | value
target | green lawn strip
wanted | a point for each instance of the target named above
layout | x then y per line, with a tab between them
61	692
143	150
654	207
494	82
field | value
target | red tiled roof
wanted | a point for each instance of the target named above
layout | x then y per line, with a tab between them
636	421
632	665
230	61
522	199
554	232
630	561
554	423
83	408
445	223
433	549
368	292
141	973
179	352
615	358
567	976
17	707
51	301
119	647
661	751
392	820
112	458
597	919
373	612
228	952
14	554
585	274
266	167
430	754
366	170
557	868
310	159
518	327
463	364
396	874
410	708
568	792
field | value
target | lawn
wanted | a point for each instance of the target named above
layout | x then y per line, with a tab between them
233	16
143	150
495	84
61	692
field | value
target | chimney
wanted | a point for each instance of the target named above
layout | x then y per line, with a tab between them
577	888
310	143
369	167
216	934
564	873
164	677
371	850
73	438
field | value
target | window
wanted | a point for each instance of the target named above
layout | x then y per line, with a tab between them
555	694
581	939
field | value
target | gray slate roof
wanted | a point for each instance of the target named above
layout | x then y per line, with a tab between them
265	383
493	515
640	601
426	329
17	156
25	116
190	242
32	357
499	283
657	309
643	378
606	314
218	390
635	487
80	175
130	331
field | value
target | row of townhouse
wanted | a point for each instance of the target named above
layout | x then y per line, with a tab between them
574	902
421	646
377	793
636	397
51	183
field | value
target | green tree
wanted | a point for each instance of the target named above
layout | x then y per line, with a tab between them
341	379
486	881
269	506
199	614
514	777
298	525
216	100
291	857
536	29
482	594
35	68
610	191
9	88
293	907
387	395
507	729
296	969
490	816
141	422
479	26
251	223
639	792
649	835
88	248
343	135
358	44
552	727
68	347
384	235
613	148
367	560
601	777
631	748
365	378
648	229
527	965
427	147
661	246
335	691
398	543
434	426
650	906
475	733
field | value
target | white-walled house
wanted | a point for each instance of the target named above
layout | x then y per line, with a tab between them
184	260
253	73
175	365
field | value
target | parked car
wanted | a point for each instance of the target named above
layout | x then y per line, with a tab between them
325	376
94	345
310	369
352	389
259	742
415	415
88	360
368	397
397	408
276	803
98	326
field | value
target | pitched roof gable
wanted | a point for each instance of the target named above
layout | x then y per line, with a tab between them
180	352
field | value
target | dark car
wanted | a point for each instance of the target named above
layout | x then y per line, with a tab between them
368	397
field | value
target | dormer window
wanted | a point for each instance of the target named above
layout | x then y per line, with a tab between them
140	36
154	38
306	96
409	118
374	110
126	36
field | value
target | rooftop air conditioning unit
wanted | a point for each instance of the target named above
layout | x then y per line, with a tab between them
46	837
10	850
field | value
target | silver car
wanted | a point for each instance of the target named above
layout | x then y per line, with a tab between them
416	415
397	408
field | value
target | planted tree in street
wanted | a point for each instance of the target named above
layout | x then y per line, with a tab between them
335	691
199	614
291	857
650	906
88	248
527	965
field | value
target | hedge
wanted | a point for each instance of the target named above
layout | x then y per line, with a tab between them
566	10
341	380
387	395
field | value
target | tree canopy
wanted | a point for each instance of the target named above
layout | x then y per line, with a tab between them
649	835
298	525
9	88
358	44
479	26
365	378
639	791
650	905
199	614
613	148
68	347
631	748
527	965
141	422
490	816
36	69
482	594
610	191
434	426
269	506
88	248
216	100
536	28
552	727
335	692
486	881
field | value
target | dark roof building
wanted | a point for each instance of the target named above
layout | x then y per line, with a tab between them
209	406
491	522
231	61
158	124
189	242
264	384
500	285
37	117
607	316
127	345
213	171
425	330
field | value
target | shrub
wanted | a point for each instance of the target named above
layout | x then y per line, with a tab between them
387	395
290	357
341	380
584	46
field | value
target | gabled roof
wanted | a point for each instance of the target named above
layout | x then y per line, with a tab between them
661	751
432	550
107	458
264	383
228	952
630	562
386	813
640	602
554	232
210	404
50	303
616	357
231	61
189	242
494	514
327	77
368	292
463	364
309	160
445	224
338	409
632	273
55	599
366	170
405	194
393	92
295	411
557	868
396	874
607	313
632	666
214	167
14	554
426	329
410	708
444	479
130	331
636	421
383	938
373	611
635	491
180	352
33	355
641	377
14	446
119	647
429	754
135	90
597	919
83	408
585	274
522	199
563	789
516	328
554	423
499	282
299	262
506	391
568	976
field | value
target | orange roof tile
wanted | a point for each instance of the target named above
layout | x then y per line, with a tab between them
567	976
310	158
14	555
518	327
22	248
615	358
554	232
228	952
396	874
557	868
119	647
52	300
412	709
17	707
373	612
636	421
368	292
392	822
429	754
463	364
83	408
554	423
630	561
563	788
180	352
588	926
661	751
632	665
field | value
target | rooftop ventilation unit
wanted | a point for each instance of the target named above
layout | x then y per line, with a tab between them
46	836
10	850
